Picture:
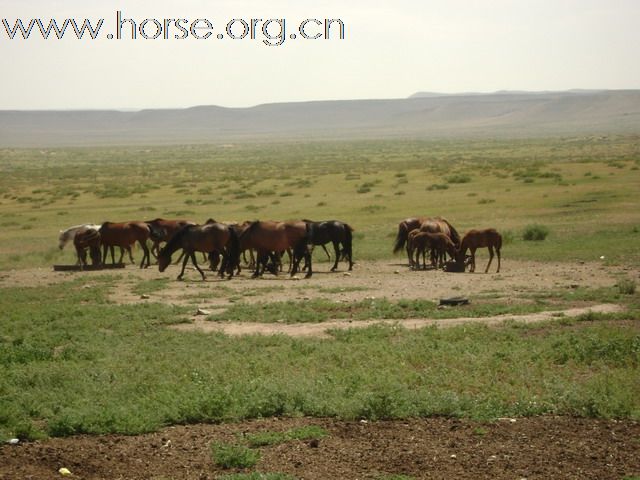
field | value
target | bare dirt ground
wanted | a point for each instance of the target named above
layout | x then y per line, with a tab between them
516	283
436	448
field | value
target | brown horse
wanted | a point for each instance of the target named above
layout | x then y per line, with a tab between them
270	238
474	239
124	235
212	237
438	243
87	238
424	224
162	231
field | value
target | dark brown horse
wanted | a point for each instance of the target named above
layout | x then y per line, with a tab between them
124	235
87	238
424	224
474	239
336	232
162	231
212	237
271	238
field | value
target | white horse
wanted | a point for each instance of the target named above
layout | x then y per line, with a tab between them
69	234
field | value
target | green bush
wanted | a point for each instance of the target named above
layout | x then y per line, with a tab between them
458	178
233	456
627	286
535	233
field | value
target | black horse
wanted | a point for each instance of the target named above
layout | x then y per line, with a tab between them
336	232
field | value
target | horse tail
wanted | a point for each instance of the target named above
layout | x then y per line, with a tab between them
498	241
455	236
401	237
348	241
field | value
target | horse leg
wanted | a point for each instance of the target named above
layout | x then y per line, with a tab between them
133	262
145	255
307	256
472	268
490	258
336	249
113	258
184	265
195	264
498	253
259	259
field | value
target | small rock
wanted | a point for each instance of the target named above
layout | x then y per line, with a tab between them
454	456
601	257
13	441
202	311
346	274
364	421
314	443
574	285
64	471
145	296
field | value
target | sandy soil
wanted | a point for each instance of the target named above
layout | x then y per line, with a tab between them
368	280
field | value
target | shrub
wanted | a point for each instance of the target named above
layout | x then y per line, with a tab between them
458	178
535	233
233	456
438	186
627	286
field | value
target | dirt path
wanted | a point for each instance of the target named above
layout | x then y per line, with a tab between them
518	282
321	329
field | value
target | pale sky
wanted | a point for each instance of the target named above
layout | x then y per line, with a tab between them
392	49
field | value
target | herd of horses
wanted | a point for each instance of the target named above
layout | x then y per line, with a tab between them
437	236
223	244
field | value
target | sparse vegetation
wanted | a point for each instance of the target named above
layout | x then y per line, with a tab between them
535	233
233	456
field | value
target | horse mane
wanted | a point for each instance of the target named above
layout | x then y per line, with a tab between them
153	221
252	226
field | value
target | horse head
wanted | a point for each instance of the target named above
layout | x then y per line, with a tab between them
164	260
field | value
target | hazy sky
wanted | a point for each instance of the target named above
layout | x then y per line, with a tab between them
391	49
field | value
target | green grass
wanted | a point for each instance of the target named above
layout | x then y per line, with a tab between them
74	363
588	216
233	456
145	287
320	310
535	233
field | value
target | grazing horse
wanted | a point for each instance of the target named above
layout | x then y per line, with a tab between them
336	232
211	237
270	238
474	239
438	243
433	225
87	238
68	235
162	230
124	235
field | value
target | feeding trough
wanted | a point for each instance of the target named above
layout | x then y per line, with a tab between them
454	301
89	268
